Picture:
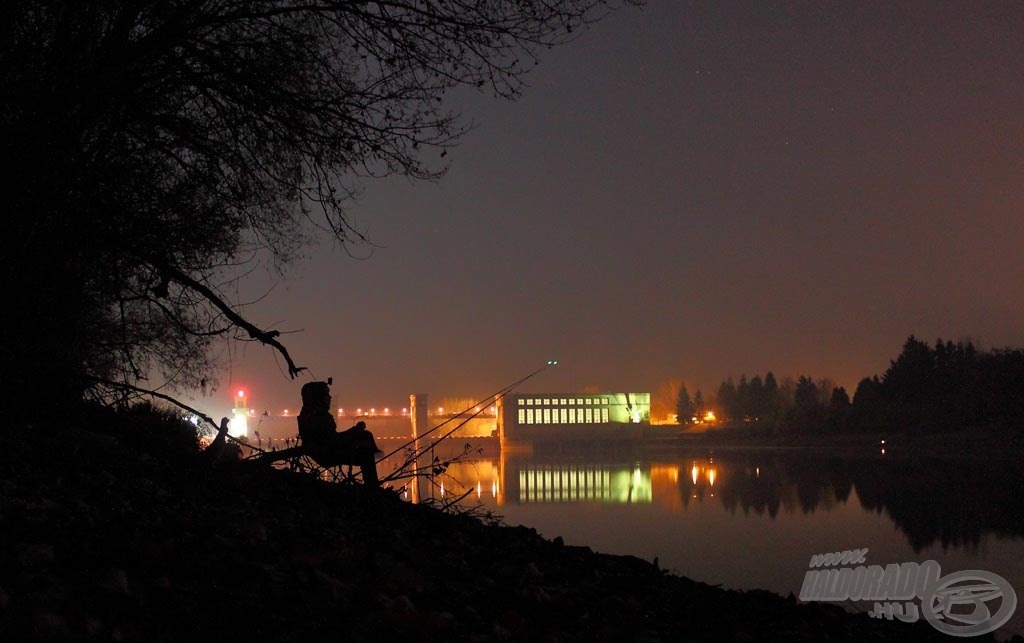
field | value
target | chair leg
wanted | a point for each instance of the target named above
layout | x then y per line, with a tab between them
369	470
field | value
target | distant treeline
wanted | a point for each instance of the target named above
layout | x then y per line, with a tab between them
948	386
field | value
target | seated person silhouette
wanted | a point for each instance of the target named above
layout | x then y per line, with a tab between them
329	447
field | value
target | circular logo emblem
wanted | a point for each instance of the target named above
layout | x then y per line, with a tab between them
957	604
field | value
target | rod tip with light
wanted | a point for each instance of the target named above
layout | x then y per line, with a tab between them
552	362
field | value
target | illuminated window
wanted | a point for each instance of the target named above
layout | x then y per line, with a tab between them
604	415
604	400
547	402
565	416
590	416
572	416
522	416
529	416
547	416
590	400
564	401
529	402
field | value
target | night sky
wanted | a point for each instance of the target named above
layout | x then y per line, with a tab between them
693	191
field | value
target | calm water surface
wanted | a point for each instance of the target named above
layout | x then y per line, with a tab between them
749	518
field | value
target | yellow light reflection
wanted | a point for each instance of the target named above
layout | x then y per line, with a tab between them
664	471
693	473
571	483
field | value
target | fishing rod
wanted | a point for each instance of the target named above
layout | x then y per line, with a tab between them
480	408
415	455
482	403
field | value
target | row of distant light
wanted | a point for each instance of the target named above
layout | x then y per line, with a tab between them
385	411
372	411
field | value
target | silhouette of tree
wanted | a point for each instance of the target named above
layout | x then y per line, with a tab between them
908	383
684	406
948	387
808	411
771	398
869	412
839	409
743	398
756	403
728	399
165	147
999	380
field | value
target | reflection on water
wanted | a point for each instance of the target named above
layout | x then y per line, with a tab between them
579	483
753	518
932	501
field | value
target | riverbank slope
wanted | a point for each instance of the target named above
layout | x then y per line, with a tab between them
108	538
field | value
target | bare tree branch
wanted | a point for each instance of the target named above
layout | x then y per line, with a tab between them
263	336
190	135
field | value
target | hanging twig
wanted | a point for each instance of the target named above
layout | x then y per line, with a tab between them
268	337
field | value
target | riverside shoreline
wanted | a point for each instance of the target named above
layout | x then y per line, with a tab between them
107	540
969	443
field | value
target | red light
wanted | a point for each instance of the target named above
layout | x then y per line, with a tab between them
241	393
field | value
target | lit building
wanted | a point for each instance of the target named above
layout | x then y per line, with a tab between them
539	416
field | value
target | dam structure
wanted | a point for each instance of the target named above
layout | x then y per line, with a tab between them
513	419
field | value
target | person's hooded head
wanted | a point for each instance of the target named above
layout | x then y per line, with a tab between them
316	396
